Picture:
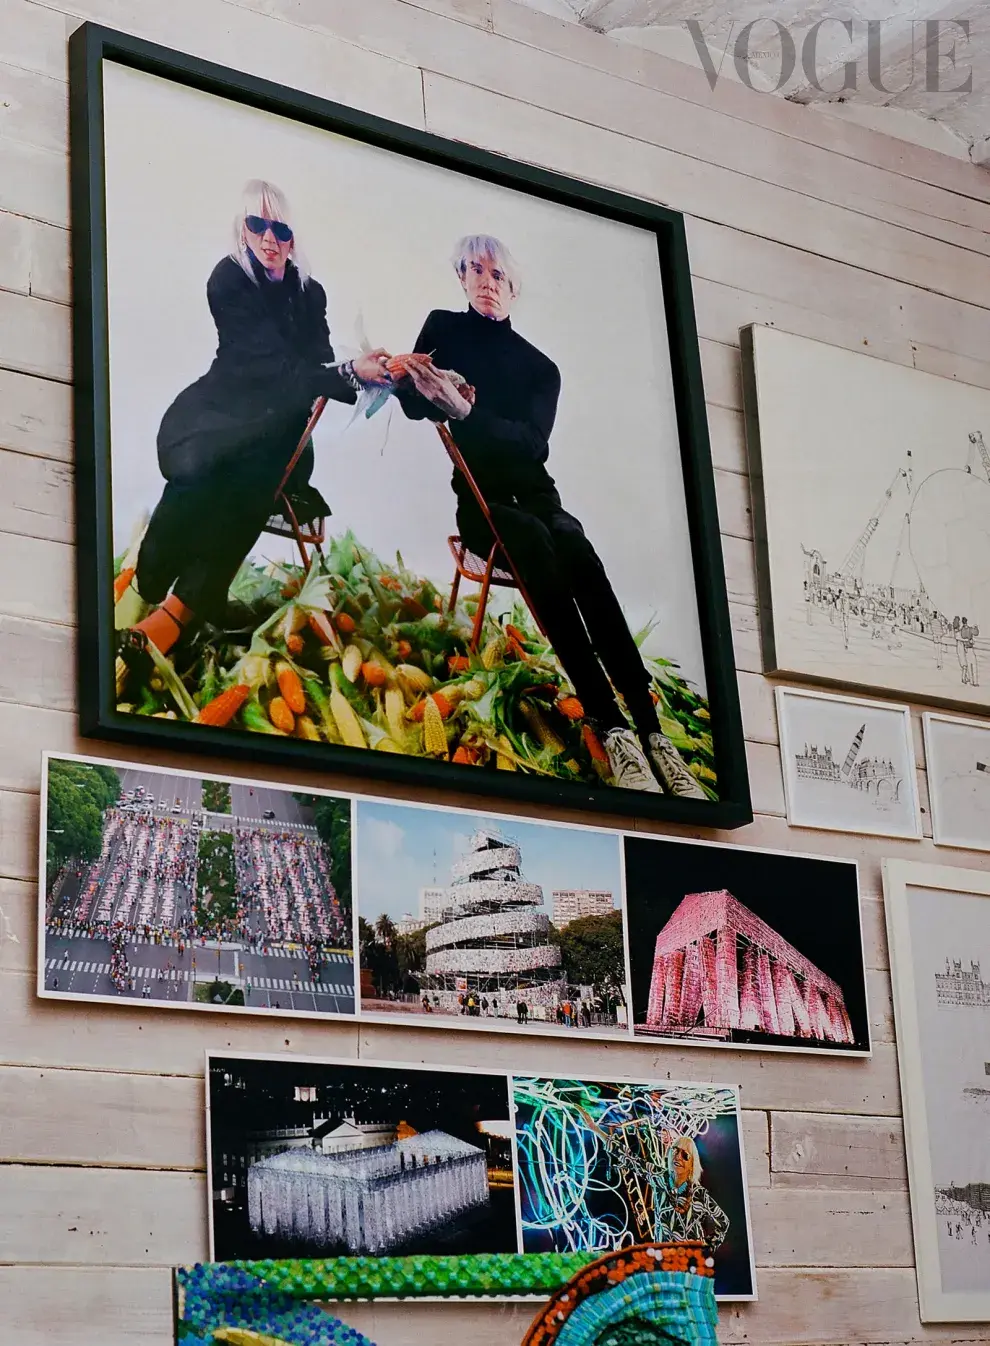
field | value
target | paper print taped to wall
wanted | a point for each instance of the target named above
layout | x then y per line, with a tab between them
290	568
872	493
742	946
396	1171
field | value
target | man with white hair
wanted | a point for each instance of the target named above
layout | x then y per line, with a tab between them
501	422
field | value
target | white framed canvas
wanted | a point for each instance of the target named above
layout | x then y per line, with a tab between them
871	502
938	927
957	753
848	764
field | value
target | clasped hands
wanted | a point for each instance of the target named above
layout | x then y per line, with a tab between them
444	388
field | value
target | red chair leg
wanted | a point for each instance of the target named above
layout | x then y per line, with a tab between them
486	584
454	590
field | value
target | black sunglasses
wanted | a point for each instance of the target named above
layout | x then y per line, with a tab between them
257	224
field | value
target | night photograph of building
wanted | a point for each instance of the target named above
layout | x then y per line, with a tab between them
745	946
324	1159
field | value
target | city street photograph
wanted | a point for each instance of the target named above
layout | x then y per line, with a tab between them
193	892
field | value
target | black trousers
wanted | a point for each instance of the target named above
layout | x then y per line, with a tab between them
574	600
206	523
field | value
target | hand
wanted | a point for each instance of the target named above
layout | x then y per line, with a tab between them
369	366
438	387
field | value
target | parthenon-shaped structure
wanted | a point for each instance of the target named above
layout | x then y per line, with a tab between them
717	967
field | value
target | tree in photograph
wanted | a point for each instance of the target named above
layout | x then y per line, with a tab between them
216	796
592	951
78	796
216	881
379	958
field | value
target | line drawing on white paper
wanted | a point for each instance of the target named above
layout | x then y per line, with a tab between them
926	602
958	758
875	777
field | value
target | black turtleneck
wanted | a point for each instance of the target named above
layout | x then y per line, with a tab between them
505	439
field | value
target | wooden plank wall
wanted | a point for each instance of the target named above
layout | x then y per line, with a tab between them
817	226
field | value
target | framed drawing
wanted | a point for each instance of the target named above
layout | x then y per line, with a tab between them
938	925
871	495
721	953
848	764
275	561
957	755
359	1159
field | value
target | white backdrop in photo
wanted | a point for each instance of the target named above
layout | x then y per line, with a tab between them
378	230
957	755
819	736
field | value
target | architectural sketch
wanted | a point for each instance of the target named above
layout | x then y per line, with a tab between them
958	760
717	969
848	764
877	520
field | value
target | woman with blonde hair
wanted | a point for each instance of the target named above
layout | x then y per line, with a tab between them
225	442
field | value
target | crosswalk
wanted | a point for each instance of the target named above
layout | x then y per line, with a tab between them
334	956
154	974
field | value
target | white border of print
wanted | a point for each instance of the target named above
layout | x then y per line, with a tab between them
796	819
601	1077
417	1021
898	876
941	835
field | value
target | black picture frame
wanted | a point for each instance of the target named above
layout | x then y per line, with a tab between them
89	48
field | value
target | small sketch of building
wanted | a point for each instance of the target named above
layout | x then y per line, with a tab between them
874	776
491	940
370	1200
718	968
960	986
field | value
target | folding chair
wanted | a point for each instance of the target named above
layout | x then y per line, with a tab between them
284	523
497	569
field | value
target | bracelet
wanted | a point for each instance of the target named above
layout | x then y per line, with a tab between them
346	371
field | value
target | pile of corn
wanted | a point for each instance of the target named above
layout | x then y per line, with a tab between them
358	653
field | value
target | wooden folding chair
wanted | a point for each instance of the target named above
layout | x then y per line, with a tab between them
497	569
308	532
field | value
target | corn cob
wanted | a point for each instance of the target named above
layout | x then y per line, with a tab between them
351	662
570	707
222	709
539	728
254	717
343	712
395	710
472	689
280	715
443	701
290	685
345	623
434	734
321	627
305	728
122	583
493	652
413	680
505	760
321	703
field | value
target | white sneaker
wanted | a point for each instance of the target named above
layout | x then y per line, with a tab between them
672	769
630	769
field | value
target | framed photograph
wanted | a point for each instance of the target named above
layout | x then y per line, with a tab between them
722	954
332	1158
871	492
938	926
848	764
482	922
206	893
957	756
337	506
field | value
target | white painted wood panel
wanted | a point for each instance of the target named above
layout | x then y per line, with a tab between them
812	1150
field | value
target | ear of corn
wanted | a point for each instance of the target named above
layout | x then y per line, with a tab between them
321	704
434	734
570	707
444	702
351	662
505	759
347	721
493	653
395	710
539	728
414	681
322	628
305	728
254	717
290	685
280	715
294	620
222	709
472	689
345	623
122	583
594	745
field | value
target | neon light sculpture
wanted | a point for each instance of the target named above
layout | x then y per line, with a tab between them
717	968
592	1160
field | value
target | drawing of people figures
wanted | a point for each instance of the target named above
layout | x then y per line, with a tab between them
968	637
940	628
957	625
